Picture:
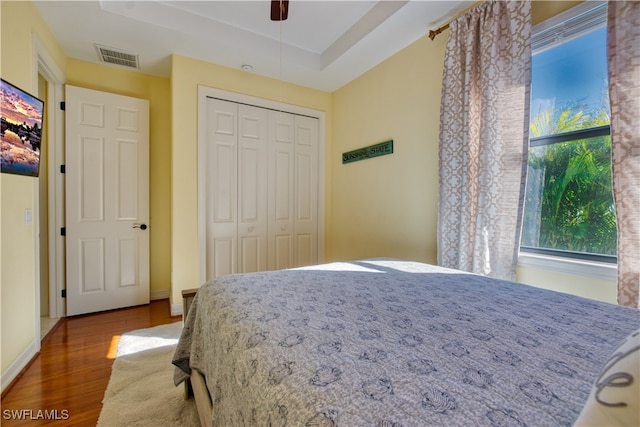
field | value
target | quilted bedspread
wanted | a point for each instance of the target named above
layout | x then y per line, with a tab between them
395	343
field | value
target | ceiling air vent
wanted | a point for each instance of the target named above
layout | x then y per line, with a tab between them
118	57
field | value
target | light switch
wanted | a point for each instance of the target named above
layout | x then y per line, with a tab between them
28	216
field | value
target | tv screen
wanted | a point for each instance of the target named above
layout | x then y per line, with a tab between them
21	132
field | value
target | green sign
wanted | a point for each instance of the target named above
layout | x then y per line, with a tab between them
369	152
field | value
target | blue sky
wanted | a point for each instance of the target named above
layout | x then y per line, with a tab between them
572	72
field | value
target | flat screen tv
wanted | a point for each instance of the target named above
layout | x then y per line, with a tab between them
21	132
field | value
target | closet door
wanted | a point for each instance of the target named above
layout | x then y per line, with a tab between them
221	188
252	189
261	186
306	191
281	190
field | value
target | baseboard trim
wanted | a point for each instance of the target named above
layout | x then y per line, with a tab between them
14	370
160	294
176	309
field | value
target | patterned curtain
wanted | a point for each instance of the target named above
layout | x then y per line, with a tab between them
484	129
624	92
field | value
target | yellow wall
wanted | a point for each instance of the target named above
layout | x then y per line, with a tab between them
387	206
543	10
584	286
186	75
18	267
20	23
157	91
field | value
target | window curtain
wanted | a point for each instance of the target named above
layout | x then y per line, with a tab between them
623	26
484	129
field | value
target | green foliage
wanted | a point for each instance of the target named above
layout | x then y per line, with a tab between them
570	207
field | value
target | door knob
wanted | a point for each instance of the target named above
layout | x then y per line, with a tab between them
140	226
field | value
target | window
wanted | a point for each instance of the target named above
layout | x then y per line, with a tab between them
569	209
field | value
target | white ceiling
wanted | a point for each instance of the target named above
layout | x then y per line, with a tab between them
323	45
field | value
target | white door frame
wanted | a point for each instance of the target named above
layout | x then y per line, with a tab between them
47	67
206	91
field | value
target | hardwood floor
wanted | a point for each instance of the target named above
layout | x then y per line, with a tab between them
69	376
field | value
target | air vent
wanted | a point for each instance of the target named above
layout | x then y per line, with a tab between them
118	57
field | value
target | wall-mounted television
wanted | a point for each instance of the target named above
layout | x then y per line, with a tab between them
21	133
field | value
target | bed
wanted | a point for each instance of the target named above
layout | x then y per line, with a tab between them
394	343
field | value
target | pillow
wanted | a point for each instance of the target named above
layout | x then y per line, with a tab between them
615	396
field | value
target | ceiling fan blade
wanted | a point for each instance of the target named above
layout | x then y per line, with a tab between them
279	10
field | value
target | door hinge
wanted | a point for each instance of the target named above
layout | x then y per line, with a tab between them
63	294
63	231
63	105
63	168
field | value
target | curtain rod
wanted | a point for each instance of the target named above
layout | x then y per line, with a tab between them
434	33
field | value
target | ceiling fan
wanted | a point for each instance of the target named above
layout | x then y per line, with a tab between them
279	10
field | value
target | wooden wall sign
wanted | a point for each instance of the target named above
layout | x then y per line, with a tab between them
369	152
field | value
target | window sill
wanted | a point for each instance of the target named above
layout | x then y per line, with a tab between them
600	270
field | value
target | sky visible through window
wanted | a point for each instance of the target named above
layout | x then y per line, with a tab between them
572	74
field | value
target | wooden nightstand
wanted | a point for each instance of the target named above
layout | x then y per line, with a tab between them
187	299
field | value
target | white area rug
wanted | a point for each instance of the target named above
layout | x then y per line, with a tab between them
141	390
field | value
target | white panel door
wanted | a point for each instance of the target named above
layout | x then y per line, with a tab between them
306	191
281	190
252	189
260	184
107	201
222	188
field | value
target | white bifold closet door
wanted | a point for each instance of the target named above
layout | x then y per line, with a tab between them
262	189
